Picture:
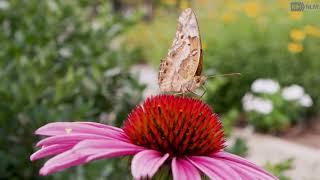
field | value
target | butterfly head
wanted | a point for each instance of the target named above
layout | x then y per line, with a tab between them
200	80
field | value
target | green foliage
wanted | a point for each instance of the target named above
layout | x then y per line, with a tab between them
258	47
228	120
280	115
164	173
59	61
280	168
239	147
275	122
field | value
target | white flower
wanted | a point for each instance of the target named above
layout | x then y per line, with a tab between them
252	103
96	25
263	106
267	86
65	52
53	6
293	92
247	102
4	4
305	101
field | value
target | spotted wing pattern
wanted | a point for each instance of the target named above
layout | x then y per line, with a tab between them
184	58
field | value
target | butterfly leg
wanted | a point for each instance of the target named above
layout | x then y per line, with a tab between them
204	90
197	95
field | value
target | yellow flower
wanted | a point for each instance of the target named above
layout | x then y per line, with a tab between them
228	17
295	47
184	4
297	35
296	15
312	31
251	9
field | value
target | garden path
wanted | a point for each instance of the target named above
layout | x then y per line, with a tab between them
263	148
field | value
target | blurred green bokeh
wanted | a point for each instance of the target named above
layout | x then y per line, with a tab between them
59	61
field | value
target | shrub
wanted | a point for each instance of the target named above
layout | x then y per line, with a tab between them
271	109
279	169
59	61
262	39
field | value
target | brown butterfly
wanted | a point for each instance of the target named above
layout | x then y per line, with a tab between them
181	70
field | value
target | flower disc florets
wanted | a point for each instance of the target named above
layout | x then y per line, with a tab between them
175	125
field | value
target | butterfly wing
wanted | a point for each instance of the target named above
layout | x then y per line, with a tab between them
184	56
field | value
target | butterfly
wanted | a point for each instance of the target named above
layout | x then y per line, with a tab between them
180	71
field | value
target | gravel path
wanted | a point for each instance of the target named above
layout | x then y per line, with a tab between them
263	148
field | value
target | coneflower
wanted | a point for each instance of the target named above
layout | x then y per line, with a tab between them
165	129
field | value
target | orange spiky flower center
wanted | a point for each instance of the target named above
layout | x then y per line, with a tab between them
175	125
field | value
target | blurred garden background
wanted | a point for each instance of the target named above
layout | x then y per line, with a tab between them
95	60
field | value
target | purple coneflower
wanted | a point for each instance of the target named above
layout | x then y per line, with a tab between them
165	130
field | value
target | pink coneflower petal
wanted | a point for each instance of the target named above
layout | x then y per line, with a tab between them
183	170
62	161
60	128
86	151
213	166
146	163
98	149
253	172
242	173
68	139
50	150
241	161
99	125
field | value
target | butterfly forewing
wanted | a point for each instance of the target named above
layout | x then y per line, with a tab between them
184	59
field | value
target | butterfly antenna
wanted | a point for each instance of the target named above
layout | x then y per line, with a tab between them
222	75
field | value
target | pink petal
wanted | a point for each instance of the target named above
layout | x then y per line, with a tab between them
50	150
183	170
242	172
252	172
239	160
98	149
62	161
146	163
212	166
61	128
85	150
99	125
68	139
